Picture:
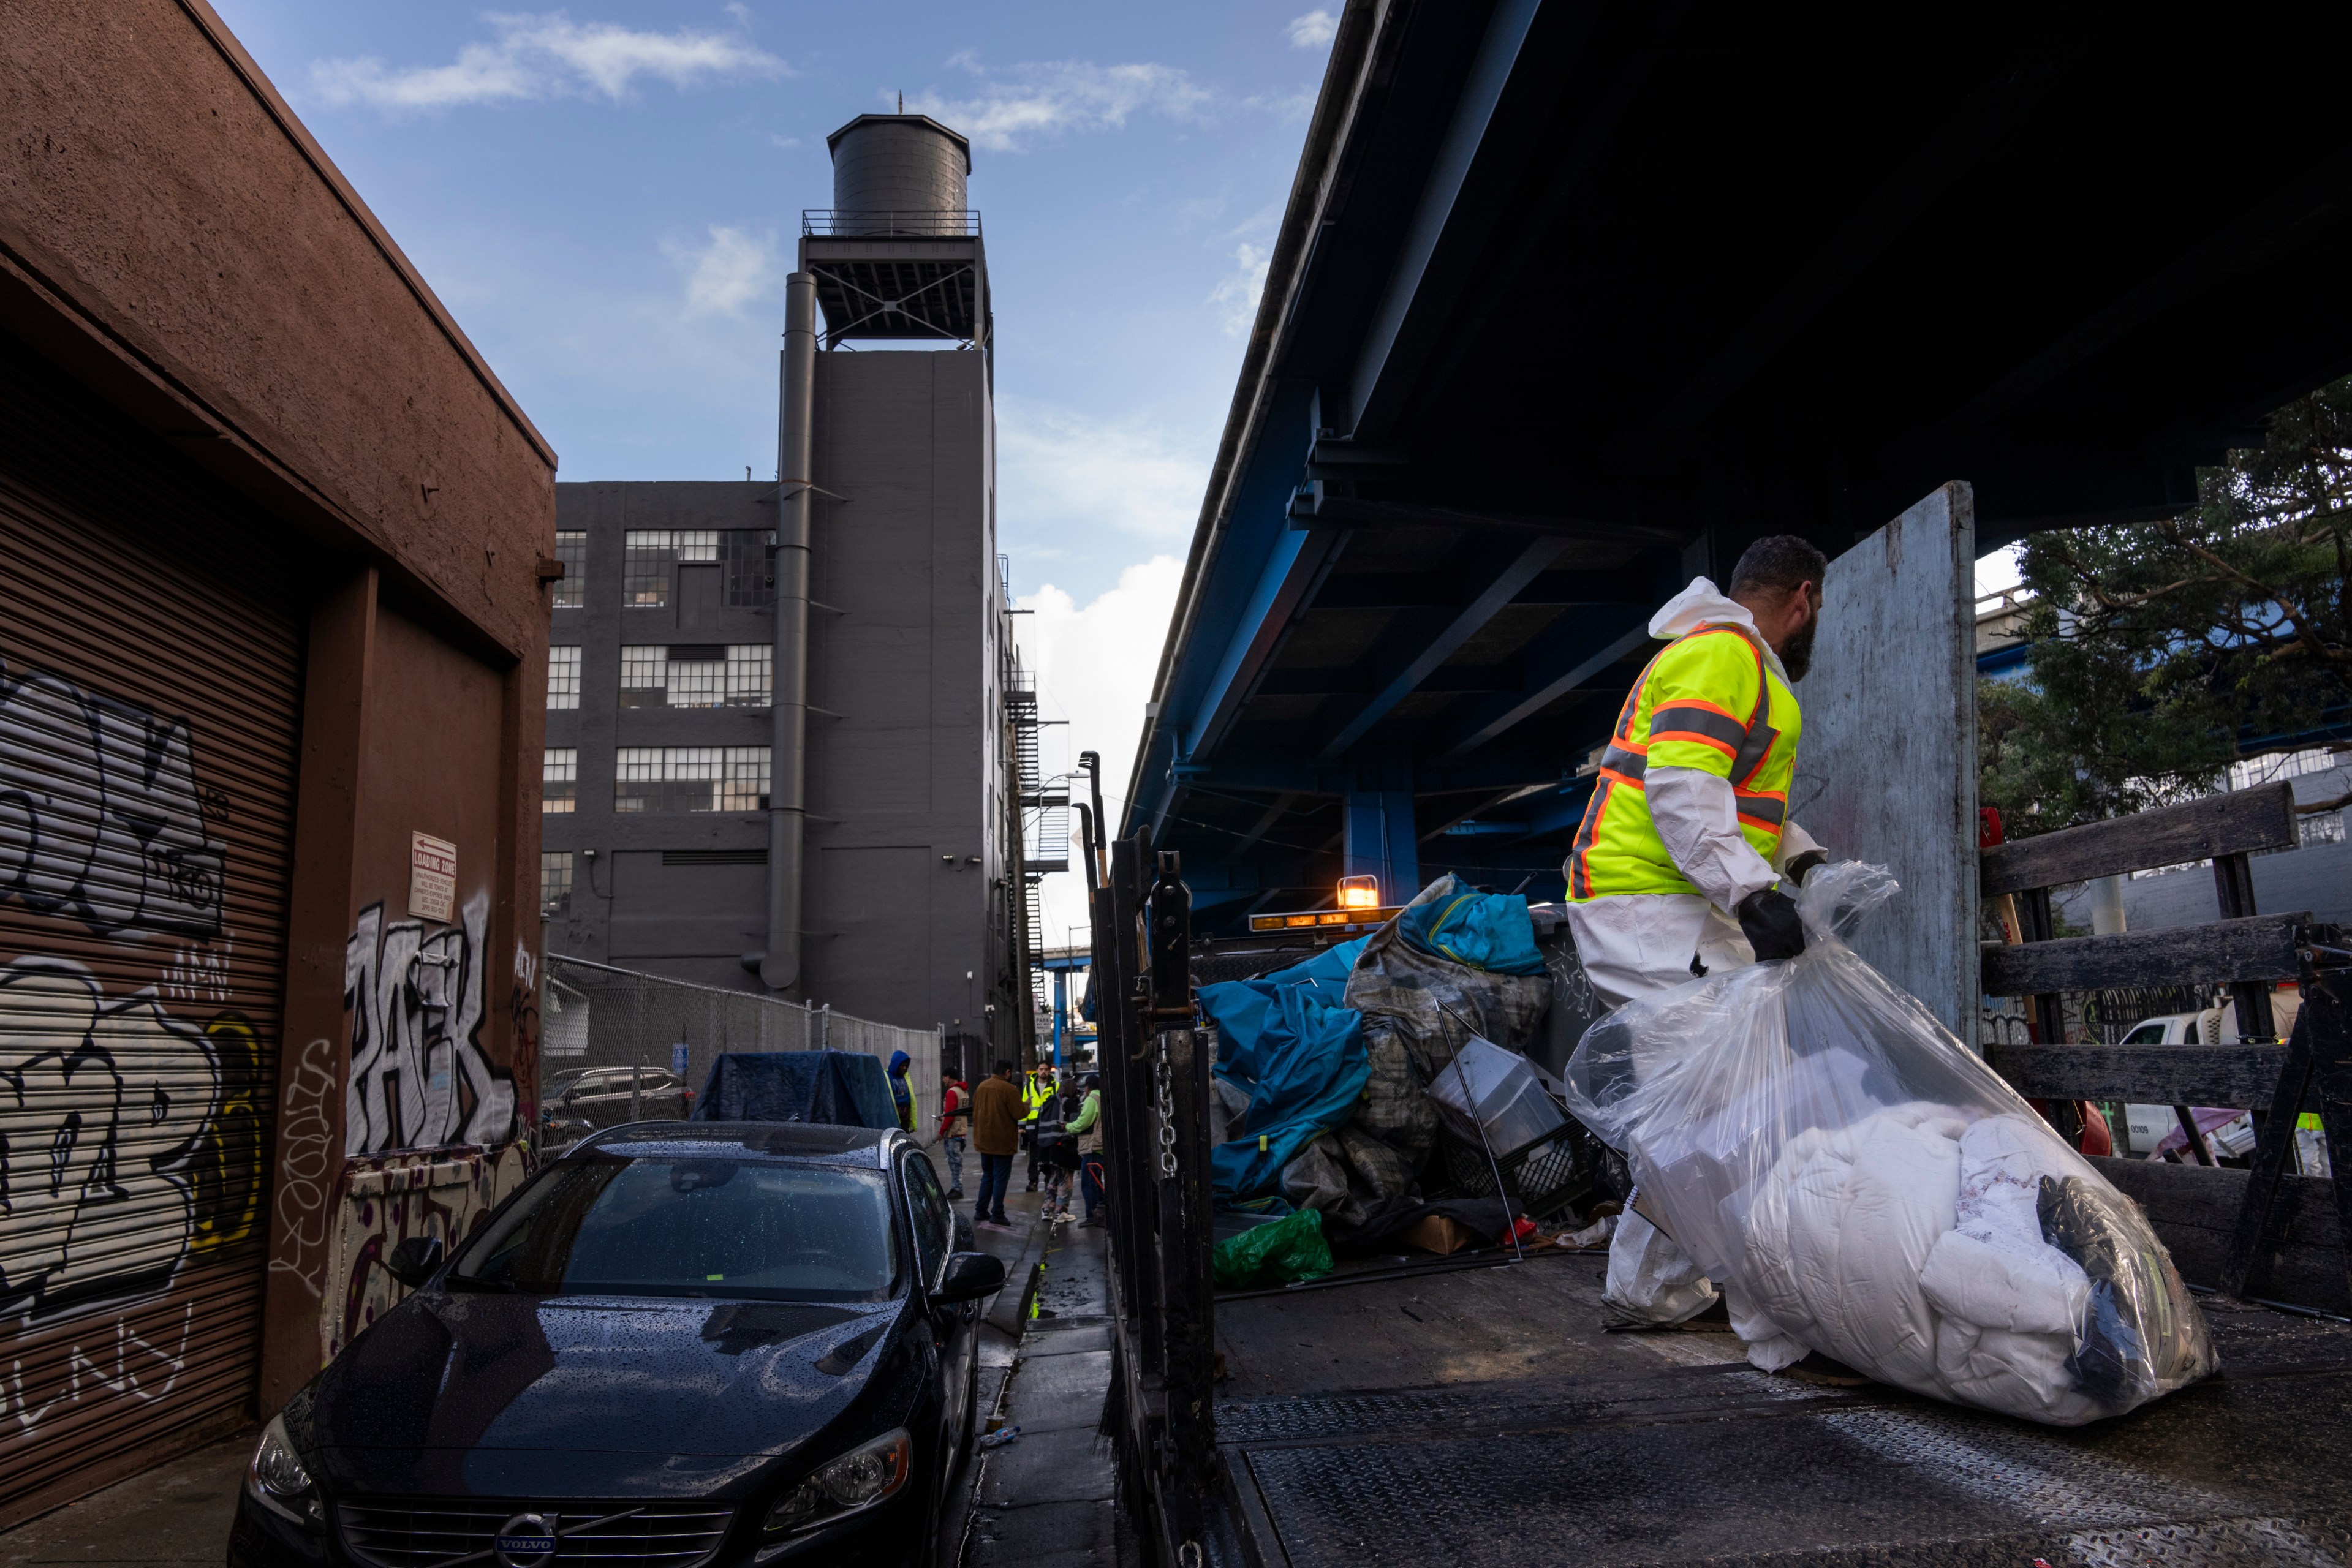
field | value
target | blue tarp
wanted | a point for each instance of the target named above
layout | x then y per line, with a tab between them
1285	1041
846	1088
1487	931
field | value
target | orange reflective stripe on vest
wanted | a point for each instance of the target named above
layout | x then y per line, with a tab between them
1708	701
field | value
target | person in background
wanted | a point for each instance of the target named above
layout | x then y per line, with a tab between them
1088	1125
1036	1100
902	1096
996	1136
955	1116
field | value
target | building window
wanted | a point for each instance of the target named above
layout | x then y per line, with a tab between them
690	779
562	677
572	549
2319	828
750	555
749	675
745	787
2281	765
644	676
649	556
559	776
645	568
695	675
554	883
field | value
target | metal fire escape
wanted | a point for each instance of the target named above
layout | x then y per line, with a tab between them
1043	818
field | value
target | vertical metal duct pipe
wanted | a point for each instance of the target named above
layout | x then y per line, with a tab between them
780	966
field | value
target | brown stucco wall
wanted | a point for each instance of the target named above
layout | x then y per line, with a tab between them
155	184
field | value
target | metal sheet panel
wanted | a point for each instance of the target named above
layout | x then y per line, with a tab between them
1887	771
150	668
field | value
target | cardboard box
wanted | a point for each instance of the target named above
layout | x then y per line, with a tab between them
1437	1233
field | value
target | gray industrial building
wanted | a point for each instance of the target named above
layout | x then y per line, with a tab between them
779	748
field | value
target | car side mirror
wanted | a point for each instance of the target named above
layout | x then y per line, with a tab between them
417	1259
969	1277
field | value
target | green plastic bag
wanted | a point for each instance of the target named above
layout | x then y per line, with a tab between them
1292	1248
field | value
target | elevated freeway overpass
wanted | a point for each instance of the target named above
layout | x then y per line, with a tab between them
1572	302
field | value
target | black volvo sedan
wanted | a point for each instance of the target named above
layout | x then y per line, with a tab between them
680	1343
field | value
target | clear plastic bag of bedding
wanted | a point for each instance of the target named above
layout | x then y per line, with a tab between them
1864	1185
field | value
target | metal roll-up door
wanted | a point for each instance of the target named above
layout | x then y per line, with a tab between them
150	675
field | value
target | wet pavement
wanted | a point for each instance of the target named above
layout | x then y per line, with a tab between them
174	1516
1049	1499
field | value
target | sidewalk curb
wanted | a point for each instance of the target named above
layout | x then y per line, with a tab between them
1032	1269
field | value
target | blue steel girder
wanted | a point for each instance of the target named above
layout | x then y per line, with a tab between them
1481	153
1292	568
1493	768
1503	568
1256	581
1567	656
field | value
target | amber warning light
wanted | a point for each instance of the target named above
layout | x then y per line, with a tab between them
1360	909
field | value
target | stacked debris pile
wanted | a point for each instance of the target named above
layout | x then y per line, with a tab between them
1326	1071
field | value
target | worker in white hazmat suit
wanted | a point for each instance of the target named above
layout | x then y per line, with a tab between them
1679	866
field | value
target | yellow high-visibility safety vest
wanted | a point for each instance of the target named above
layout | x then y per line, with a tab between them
1710	701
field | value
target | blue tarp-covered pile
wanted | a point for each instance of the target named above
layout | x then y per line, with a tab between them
1331	1055
1286	1042
846	1088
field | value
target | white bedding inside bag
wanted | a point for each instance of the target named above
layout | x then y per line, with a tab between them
1831	1156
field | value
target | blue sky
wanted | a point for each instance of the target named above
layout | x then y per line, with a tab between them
607	198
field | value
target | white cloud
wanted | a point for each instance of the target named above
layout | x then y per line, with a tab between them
1065	474
1094	664
1236	297
538	56
732	271
1313	30
1030	101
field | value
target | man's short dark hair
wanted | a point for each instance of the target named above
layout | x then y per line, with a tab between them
1004	1067
1777	563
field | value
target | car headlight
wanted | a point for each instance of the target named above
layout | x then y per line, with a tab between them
277	1481
864	1476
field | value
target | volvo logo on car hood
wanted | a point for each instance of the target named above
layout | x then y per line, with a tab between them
526	1540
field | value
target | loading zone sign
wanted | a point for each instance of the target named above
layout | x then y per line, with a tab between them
432	877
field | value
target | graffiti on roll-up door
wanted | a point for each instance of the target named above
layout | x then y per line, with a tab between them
130	1139
419	1077
100	818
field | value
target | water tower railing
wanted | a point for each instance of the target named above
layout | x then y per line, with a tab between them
911	224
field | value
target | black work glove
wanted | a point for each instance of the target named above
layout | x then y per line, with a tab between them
1796	869
1767	918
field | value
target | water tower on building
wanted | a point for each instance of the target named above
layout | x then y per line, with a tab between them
898	254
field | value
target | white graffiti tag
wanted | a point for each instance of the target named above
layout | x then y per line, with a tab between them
102	1107
419	1077
99	819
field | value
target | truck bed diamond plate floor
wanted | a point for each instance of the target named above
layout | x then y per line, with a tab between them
1728	1466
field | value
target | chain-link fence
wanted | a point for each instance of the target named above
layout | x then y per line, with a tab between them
617	1046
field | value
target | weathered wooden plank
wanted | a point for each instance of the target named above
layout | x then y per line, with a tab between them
2228	824
2259	947
2195	1211
2240	1075
1888	770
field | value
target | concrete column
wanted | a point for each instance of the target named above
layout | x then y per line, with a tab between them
1381	839
2107	906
